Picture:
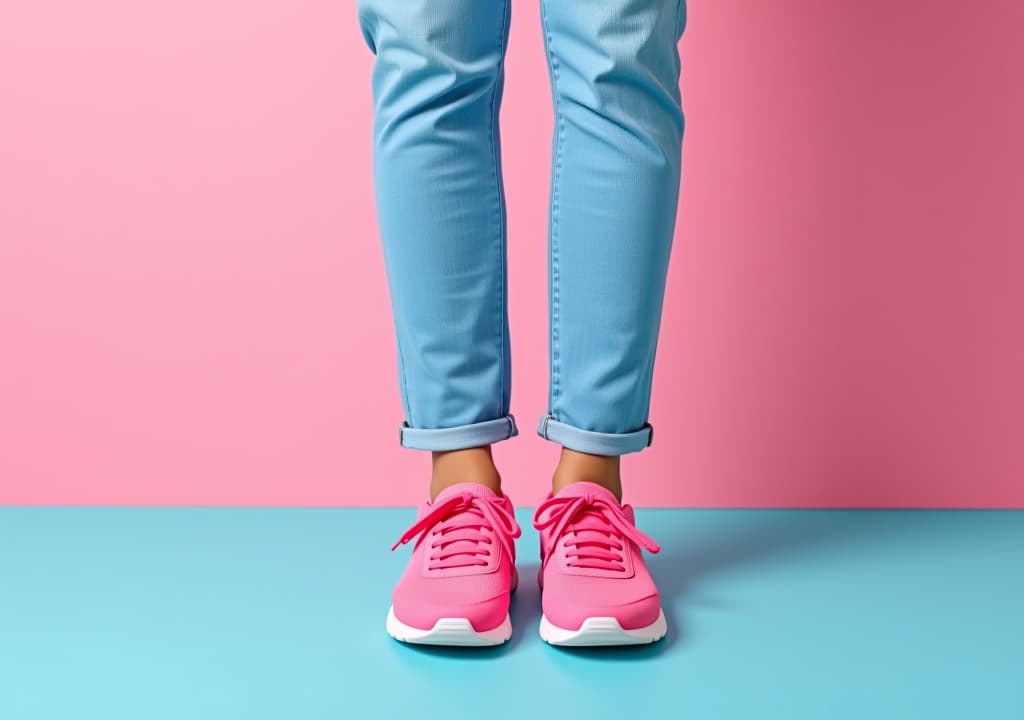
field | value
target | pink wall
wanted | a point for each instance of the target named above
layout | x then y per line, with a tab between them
193	306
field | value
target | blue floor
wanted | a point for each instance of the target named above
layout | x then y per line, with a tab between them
279	613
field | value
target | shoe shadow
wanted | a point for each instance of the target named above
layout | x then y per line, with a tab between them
710	542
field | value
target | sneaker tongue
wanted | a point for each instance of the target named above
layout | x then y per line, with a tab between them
465	487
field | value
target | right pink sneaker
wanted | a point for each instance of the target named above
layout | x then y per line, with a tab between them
596	589
455	589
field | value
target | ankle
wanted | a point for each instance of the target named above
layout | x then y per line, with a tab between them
475	465
573	467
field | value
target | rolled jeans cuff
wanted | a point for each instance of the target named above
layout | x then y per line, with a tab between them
458	437
591	441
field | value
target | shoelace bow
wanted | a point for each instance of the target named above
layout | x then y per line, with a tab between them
461	522
590	547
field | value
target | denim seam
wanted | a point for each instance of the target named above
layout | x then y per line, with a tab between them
369	36
499	220
402	378
553	226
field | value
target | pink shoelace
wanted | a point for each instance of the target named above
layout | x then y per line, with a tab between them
462	523
597	536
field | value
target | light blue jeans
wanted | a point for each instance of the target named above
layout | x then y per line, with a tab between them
437	83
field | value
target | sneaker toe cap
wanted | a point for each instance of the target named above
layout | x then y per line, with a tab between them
570	613
423	611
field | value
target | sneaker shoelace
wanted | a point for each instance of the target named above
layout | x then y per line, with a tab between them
462	523
592	529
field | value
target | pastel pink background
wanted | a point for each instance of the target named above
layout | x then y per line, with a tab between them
192	298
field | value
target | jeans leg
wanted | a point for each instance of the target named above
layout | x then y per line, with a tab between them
617	153
437	83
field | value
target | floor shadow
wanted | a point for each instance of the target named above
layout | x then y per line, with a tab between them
747	537
737	538
621	653
473	654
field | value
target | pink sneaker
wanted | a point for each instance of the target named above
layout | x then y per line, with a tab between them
456	587
596	587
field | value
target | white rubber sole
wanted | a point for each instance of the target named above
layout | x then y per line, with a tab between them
448	631
597	631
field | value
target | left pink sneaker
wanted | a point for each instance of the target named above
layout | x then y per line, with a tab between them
596	589
455	589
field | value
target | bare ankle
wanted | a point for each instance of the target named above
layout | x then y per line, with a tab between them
574	466
474	465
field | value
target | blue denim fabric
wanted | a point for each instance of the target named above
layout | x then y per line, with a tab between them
437	83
